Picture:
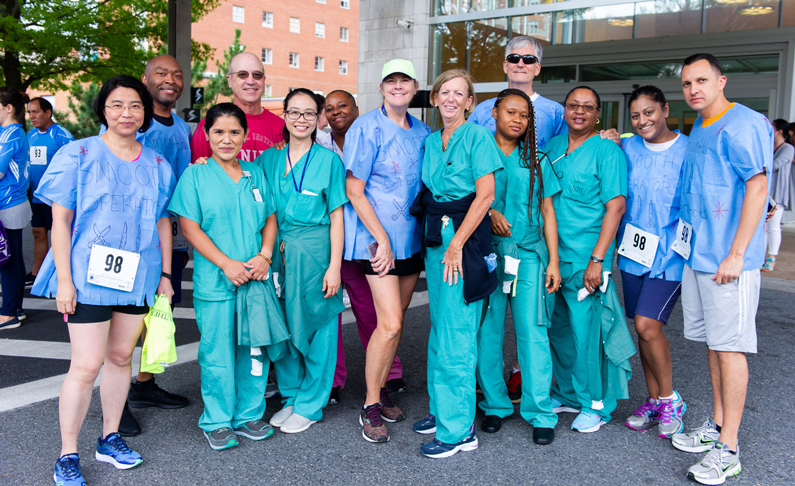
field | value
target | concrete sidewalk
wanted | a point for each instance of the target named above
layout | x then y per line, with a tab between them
785	262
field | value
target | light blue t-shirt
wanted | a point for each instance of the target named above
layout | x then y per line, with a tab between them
43	146
722	155
549	118
653	197
14	164
389	158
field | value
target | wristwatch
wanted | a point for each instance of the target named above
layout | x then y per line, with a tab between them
596	259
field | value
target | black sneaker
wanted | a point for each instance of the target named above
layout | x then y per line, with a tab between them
128	426
148	394
29	279
396	385
334	398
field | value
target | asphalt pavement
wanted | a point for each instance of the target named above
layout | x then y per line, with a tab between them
34	357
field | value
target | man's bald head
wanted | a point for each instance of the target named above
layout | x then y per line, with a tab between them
245	60
163	78
165	61
244	68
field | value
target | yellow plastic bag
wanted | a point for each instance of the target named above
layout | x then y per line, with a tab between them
159	347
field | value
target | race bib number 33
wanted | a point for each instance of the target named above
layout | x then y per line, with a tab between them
112	268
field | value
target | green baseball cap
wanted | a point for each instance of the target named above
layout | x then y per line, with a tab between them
399	66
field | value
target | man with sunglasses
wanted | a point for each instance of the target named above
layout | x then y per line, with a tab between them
247	79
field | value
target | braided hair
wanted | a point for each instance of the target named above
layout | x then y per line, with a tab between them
528	151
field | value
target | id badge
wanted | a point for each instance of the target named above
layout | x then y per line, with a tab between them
257	195
112	268
178	241
639	245
684	234
38	155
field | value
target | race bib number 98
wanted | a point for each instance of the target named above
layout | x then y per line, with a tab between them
178	241
112	268
684	234
639	245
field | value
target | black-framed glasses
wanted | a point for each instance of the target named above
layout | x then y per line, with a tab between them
295	115
577	107
258	75
527	58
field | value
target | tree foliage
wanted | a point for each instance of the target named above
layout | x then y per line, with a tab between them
46	44
83	121
218	86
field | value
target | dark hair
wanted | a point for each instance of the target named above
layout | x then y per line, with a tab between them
224	109
321	100
44	105
10	96
528	150
598	99
305	92
652	92
124	81
342	92
781	124
712	60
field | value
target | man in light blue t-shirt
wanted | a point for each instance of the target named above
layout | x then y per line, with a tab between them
721	236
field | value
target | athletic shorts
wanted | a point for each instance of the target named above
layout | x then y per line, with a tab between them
410	266
42	216
654	298
723	316
88	314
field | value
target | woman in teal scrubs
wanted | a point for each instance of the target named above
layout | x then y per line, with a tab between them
529	269
226	213
458	169
308	186
593	178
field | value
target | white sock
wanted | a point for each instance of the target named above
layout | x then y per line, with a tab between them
672	397
515	370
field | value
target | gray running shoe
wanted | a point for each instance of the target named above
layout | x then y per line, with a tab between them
669	416
645	416
255	430
701	439
716	466
220	439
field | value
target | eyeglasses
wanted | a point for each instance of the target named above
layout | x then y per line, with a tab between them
527	58
258	75
295	115
119	108
577	107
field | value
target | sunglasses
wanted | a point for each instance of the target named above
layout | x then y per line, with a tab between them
244	74
527	58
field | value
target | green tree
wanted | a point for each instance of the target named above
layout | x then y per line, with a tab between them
218	86
83	121
47	44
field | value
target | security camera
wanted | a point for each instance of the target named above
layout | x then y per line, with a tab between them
406	23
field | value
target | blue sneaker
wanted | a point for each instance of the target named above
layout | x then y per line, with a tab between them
437	449
558	407
587	422
67	471
113	450
426	426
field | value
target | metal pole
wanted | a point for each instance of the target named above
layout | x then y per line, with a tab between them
179	32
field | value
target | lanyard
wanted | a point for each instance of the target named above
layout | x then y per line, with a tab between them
299	186
408	118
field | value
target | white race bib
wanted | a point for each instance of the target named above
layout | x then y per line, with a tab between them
38	155
639	245
684	233
112	268
178	241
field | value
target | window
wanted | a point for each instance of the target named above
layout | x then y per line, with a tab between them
238	14
295	25
294	59
320	29
343	34
318	64
343	67
346	4
268	91
267	56
321	1
267	19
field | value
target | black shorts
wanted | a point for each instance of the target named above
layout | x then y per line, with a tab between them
410	266
42	215
89	314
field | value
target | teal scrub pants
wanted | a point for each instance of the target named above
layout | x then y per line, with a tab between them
232	395
532	346
305	381
452	348
569	338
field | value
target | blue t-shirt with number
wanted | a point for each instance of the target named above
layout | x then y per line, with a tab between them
43	146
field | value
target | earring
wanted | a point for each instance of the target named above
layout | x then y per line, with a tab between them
598	121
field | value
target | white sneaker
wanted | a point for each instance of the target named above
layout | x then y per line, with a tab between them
281	416
296	423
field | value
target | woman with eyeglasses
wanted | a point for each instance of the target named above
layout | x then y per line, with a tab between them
111	252
383	160
593	177
308	186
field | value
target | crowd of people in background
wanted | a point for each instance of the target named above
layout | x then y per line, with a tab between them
515	201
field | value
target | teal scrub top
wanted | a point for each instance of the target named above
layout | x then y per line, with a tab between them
512	197
593	174
228	213
471	154
322	186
